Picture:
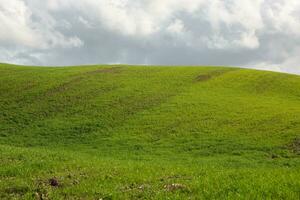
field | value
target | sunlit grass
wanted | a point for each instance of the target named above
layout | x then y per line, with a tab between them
128	132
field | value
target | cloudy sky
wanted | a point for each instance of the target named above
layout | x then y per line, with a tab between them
261	34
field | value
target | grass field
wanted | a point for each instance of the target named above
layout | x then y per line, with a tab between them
129	132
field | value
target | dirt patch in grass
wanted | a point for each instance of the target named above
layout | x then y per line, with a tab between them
17	190
211	75
54	182
51	182
64	86
43	186
41	196
105	70
295	146
203	77
176	187
132	187
29	85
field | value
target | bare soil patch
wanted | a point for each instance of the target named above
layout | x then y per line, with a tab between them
77	79
295	146
175	187
105	70
210	75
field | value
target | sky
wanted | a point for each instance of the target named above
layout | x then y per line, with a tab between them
261	34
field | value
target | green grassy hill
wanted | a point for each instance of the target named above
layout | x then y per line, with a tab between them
128	132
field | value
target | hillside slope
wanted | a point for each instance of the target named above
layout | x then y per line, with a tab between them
148	132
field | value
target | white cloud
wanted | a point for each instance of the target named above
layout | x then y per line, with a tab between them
176	27
248	40
17	28
292	59
229	32
283	16
14	17
85	22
